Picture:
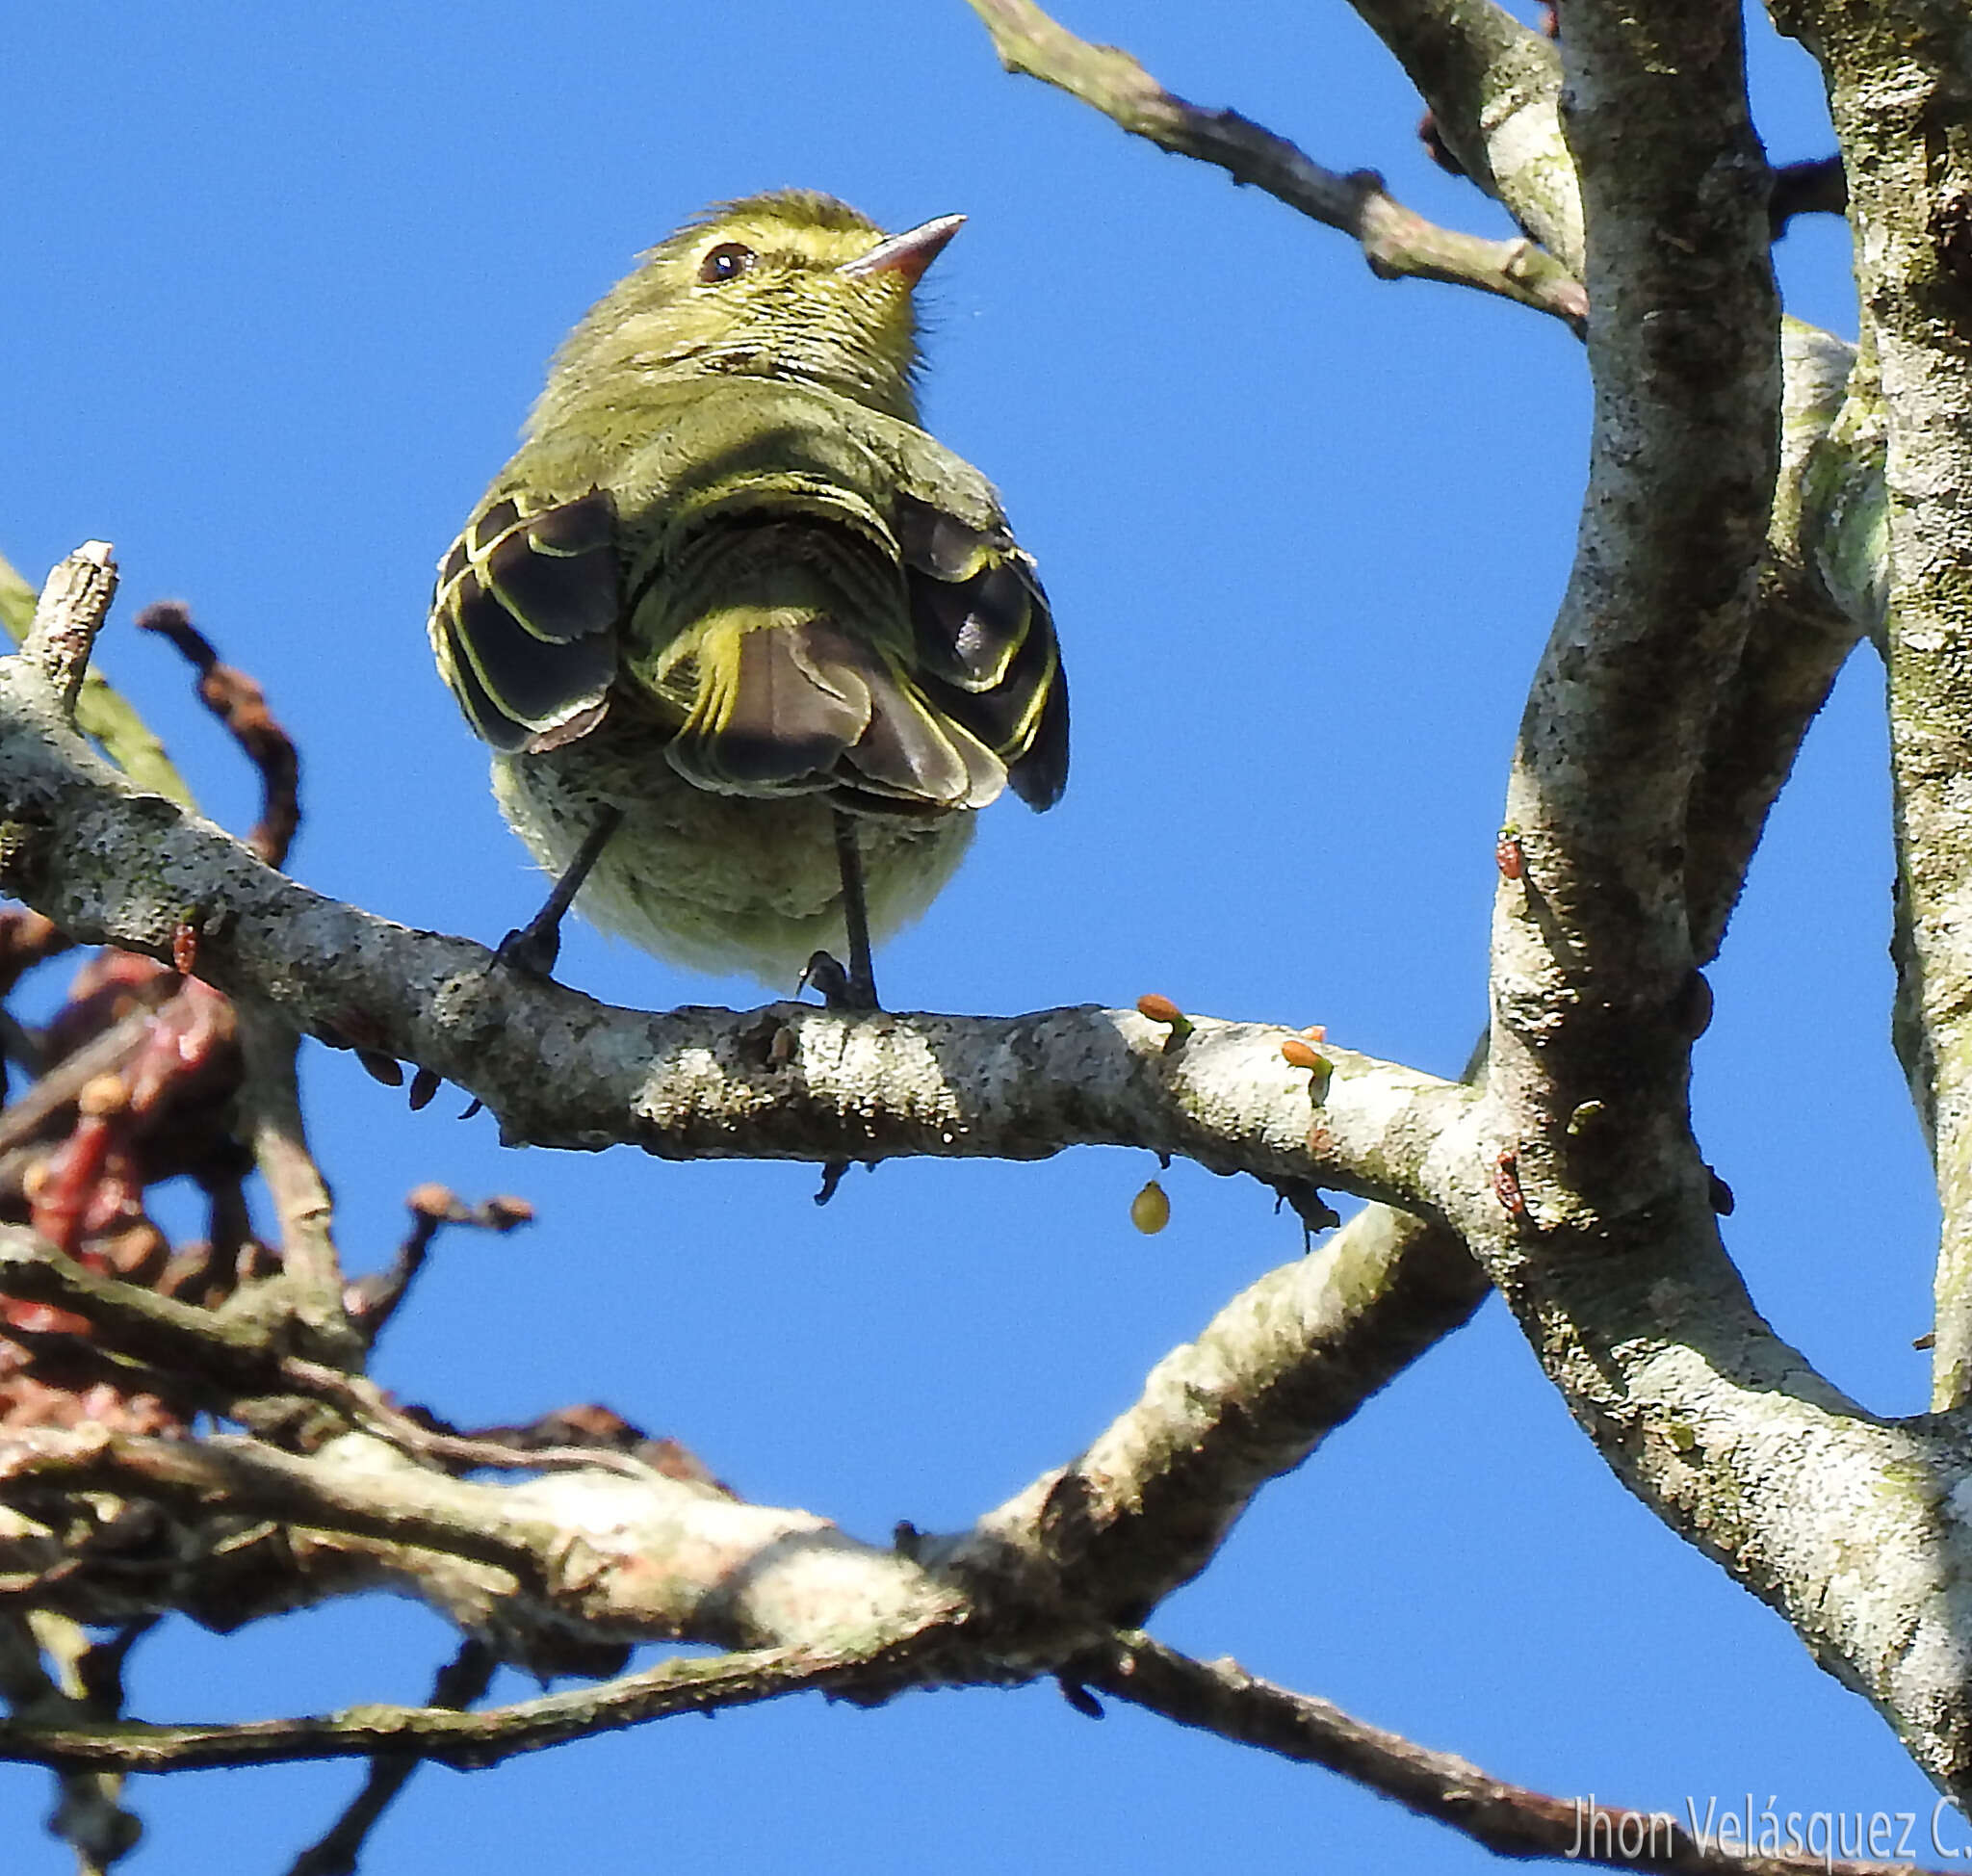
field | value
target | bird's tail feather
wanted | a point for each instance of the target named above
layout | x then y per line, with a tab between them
795	706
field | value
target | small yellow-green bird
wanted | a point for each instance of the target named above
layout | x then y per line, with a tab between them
750	647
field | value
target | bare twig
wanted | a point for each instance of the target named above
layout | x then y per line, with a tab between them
1220	1696
375	1298
270	1108
83	1689
101	712
60	1087
240	705
1493	88
221	1357
73	604
1396	242
1216	1697
868	1669
369	1407
463	1681
1820	186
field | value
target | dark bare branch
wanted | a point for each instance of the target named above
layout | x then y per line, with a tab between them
1396	242
240	705
1510	1820
463	1681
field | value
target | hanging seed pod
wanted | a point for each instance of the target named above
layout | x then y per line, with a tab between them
1150	1212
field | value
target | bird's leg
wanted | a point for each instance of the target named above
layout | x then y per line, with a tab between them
536	946
856	987
855	913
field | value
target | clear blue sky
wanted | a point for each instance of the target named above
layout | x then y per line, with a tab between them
281	283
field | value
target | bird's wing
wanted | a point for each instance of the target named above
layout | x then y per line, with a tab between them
986	652
983	637
523	618
771	610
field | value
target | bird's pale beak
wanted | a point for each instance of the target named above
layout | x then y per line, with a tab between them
908	255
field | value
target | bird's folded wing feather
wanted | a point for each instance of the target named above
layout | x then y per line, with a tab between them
814	597
524	619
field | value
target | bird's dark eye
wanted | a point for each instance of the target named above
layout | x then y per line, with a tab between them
725	262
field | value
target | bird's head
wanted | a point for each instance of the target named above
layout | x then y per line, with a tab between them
791	286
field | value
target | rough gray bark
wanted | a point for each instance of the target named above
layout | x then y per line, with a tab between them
1736	542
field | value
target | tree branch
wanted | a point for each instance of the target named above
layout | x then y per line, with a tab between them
472	1740
1396	242
1279	1368
88	1813
1897	90
310	1285
70	613
1220	1696
580	1554
1495	92
101	712
463	1681
1599	1228
787	1081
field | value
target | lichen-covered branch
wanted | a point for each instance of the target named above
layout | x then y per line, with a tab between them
1494	91
1396	242
1798	634
583	1555
67	616
1599	1228
788	1081
1147	1505
1898	90
1595	993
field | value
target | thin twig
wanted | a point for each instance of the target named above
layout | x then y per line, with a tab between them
870	1668
70	613
60	1087
463	1681
1221	1698
240	705
1396	242
369	1408
88	1815
375	1298
225	1358
271	1107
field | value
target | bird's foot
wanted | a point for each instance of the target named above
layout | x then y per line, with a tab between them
841	989
533	948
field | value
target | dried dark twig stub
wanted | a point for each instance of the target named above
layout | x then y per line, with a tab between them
461	1681
373	1299
240	705
1820	186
